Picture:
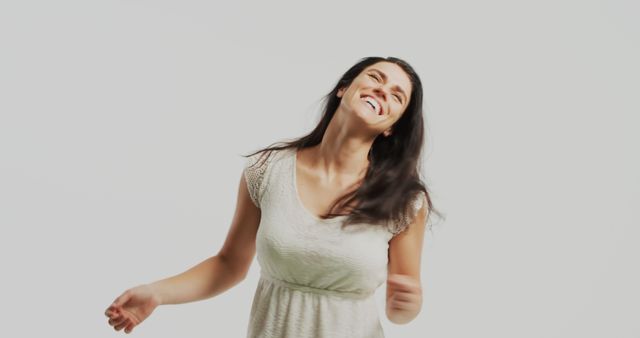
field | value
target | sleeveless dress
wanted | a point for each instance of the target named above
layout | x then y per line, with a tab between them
316	279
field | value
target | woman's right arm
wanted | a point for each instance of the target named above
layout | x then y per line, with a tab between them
222	271
205	280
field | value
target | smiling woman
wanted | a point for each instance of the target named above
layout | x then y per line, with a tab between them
331	217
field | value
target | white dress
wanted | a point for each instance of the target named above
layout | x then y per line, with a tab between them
316	280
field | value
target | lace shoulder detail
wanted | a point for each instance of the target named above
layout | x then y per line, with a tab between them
416	205
255	168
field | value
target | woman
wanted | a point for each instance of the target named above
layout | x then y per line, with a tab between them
331	216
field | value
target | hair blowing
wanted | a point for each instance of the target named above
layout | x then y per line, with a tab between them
392	180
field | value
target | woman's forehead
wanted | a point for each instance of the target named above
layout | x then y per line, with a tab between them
393	73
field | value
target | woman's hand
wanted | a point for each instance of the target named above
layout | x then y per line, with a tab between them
132	307
404	298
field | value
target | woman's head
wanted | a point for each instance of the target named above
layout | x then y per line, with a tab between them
396	128
399	132
375	93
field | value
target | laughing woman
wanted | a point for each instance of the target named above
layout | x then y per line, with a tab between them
331	216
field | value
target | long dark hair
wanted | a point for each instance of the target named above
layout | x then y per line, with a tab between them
392	180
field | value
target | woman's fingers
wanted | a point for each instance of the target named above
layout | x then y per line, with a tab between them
117	321
112	313
129	328
404	296
122	325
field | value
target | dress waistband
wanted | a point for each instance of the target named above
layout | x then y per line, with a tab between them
304	288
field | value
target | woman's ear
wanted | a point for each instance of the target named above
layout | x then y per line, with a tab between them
340	92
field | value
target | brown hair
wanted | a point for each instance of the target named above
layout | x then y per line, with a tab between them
392	181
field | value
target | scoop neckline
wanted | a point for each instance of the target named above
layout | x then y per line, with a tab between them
294	185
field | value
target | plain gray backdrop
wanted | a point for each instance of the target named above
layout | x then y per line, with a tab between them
123	124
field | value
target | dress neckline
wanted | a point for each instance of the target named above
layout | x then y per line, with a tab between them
294	185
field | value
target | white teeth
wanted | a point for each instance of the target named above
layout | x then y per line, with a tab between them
373	103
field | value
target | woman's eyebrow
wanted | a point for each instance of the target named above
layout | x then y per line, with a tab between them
384	77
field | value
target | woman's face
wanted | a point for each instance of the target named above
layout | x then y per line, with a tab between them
378	95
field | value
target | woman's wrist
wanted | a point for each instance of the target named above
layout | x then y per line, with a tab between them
156	295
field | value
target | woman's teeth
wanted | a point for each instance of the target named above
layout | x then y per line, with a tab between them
370	104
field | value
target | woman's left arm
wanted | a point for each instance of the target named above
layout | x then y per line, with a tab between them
404	290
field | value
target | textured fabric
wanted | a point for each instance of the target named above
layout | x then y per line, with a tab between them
316	279
416	204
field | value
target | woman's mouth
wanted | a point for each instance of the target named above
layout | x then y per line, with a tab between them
373	104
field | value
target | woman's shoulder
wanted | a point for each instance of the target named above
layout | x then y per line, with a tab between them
265	161
259	167
268	156
415	204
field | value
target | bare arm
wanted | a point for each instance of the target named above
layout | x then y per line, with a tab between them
221	272
404	290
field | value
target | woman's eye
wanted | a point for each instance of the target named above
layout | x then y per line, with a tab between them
373	76
398	98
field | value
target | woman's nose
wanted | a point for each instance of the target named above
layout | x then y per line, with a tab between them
380	92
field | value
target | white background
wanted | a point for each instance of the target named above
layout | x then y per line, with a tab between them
122	124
